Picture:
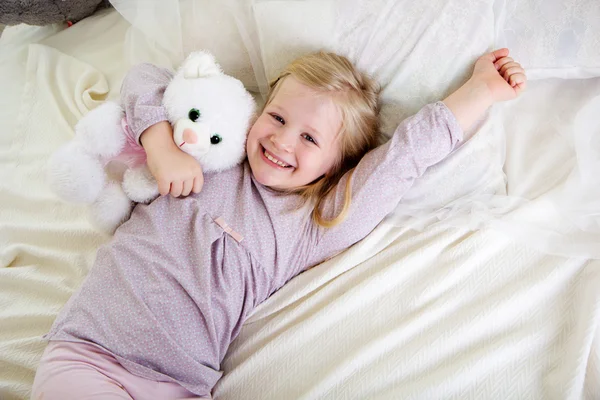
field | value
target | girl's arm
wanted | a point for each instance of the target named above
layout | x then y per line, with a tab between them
175	171
496	77
383	175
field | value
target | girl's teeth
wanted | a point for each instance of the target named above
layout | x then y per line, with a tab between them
281	164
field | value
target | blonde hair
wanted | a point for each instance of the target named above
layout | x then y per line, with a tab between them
357	97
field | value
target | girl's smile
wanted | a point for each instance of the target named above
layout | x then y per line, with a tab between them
274	160
294	141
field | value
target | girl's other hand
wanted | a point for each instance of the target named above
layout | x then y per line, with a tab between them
175	171
504	77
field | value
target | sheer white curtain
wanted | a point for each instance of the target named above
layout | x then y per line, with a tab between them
165	31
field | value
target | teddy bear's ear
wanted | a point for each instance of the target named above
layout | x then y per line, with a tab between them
200	64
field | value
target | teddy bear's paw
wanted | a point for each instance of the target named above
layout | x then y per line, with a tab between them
140	185
112	208
74	175
200	64
100	130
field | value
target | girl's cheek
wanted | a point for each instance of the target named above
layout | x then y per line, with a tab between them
260	125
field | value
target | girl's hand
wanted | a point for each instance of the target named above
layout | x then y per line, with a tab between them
496	77
175	171
504	77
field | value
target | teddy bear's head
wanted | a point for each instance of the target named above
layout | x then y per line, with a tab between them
210	113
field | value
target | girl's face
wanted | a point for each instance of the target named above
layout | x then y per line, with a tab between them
294	140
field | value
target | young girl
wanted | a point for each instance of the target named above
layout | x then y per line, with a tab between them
170	292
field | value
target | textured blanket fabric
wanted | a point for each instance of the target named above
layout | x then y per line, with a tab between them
46	246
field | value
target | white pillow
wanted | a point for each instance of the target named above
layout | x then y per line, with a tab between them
551	38
290	29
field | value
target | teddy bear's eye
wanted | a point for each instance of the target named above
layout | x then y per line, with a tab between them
194	114
216	139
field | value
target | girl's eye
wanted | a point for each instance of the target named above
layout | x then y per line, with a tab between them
309	138
194	114
216	139
278	119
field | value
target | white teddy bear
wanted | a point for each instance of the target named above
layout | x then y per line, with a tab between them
210	113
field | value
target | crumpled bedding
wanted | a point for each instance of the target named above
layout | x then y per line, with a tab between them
482	285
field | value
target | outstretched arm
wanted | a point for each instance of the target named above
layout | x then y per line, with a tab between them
383	175
496	77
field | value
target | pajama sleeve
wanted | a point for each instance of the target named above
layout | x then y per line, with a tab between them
383	176
141	96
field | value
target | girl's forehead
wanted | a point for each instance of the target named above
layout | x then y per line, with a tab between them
317	108
292	87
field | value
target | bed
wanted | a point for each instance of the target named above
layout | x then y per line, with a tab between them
485	281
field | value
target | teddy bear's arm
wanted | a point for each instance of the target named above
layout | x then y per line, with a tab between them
140	185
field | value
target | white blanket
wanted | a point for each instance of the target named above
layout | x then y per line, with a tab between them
442	312
46	246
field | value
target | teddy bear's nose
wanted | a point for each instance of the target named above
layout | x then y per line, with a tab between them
189	136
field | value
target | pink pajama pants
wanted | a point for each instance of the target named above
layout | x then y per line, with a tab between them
82	371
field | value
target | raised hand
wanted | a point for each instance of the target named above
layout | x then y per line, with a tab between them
504	77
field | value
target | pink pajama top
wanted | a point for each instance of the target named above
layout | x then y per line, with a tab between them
169	293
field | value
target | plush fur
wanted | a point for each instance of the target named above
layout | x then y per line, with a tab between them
76	175
44	12
216	139
111	208
226	109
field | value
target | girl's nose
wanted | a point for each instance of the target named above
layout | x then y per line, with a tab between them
282	142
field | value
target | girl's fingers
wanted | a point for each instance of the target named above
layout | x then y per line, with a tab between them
519	87
504	60
511	71
163	187
198	183
176	188
508	65
497	54
494	55
517	79
187	187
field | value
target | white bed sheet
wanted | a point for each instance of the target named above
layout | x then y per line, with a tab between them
443	312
